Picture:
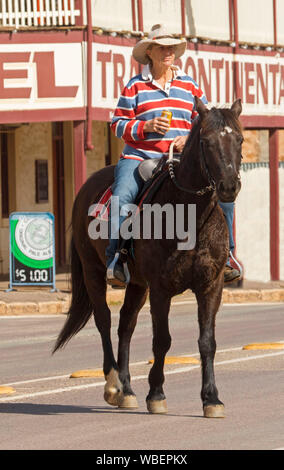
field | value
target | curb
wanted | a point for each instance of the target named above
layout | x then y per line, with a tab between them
116	297
252	295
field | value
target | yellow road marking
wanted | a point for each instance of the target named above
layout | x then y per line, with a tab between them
87	373
135	378
264	346
178	360
6	390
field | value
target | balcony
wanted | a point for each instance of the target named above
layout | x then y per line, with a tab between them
35	13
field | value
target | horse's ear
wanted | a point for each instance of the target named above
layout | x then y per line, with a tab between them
237	107
200	107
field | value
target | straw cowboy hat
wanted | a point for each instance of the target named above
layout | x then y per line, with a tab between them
158	35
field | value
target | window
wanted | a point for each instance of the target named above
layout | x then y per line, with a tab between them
41	171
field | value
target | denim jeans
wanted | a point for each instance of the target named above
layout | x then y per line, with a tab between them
127	184
228	210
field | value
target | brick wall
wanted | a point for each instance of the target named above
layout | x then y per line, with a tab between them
256	145
32	142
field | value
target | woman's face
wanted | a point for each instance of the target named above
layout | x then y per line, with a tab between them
161	55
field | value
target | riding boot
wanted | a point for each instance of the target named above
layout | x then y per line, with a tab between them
233	270
117	274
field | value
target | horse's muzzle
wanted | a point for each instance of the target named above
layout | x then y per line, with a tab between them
228	190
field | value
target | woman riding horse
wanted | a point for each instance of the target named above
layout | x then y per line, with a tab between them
208	170
138	121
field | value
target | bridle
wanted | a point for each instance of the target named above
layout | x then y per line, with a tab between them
200	192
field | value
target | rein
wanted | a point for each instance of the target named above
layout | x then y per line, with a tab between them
200	192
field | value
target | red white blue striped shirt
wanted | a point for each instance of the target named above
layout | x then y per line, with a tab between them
143	99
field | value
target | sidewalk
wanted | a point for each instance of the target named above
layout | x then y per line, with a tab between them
33	300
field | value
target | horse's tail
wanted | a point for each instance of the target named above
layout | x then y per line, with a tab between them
81	308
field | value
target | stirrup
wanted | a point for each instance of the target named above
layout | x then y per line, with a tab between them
117	274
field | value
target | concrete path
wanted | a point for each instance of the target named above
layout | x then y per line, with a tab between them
33	300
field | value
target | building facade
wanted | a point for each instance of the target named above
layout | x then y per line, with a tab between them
63	65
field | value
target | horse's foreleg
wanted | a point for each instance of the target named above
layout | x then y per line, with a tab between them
160	306
208	305
135	298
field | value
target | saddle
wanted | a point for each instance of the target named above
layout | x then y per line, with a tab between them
148	168
152	171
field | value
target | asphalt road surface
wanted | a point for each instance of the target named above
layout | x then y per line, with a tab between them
50	410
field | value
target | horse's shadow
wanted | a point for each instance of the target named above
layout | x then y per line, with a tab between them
49	410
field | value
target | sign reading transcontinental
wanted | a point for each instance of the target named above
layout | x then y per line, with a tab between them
32	249
258	74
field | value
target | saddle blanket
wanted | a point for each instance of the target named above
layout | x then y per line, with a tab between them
101	209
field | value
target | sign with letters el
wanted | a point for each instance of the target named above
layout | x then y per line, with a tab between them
32	249
41	76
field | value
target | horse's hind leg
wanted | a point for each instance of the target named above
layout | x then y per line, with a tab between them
135	298
96	287
208	304
160	306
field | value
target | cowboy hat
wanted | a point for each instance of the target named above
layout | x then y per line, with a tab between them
158	35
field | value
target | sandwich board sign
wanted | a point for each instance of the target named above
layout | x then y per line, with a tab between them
32	249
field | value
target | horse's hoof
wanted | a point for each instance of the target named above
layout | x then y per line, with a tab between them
128	402
113	388
214	411
157	406
113	398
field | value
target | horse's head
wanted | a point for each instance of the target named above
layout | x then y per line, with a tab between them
221	147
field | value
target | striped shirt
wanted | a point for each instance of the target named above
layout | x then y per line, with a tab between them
143	99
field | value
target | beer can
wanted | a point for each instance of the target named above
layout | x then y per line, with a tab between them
168	115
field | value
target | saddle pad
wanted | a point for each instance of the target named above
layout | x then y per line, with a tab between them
100	210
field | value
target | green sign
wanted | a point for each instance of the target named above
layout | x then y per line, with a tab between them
32	248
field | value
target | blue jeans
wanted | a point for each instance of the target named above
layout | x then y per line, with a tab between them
228	210
127	184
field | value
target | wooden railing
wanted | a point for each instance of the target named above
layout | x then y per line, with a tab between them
21	13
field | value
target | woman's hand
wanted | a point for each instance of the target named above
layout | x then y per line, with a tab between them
158	124
179	142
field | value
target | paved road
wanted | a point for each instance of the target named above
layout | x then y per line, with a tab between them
51	411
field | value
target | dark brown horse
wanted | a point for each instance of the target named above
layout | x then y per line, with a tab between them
210	162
